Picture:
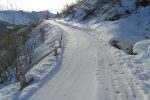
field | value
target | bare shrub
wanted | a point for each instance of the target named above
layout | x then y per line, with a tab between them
142	3
68	9
9	54
11	60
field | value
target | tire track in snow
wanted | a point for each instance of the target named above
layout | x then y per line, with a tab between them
123	86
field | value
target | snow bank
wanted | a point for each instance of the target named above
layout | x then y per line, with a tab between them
143	50
142	47
141	63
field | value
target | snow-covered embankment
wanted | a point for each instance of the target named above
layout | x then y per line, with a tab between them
45	63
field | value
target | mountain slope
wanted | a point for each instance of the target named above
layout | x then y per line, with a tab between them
103	9
22	17
85	9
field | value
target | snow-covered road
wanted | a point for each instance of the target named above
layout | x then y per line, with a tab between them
88	72
76	78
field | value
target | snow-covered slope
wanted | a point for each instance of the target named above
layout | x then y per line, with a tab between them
127	31
44	64
104	9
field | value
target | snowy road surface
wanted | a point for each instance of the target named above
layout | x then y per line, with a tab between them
88	72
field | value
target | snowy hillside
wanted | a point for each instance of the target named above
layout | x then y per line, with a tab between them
121	22
22	17
102	10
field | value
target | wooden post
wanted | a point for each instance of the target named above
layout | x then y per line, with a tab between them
60	42
55	51
61	38
20	76
23	82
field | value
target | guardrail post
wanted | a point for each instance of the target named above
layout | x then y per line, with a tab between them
60	42
55	51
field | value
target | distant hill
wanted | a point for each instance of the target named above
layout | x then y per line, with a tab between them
22	17
5	26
